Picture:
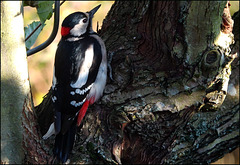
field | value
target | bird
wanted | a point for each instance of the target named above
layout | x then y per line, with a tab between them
79	78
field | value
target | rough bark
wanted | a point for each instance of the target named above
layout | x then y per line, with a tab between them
14	81
168	100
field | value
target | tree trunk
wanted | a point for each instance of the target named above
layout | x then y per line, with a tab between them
14	81
171	67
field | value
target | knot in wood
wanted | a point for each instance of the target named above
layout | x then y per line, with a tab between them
212	56
211	61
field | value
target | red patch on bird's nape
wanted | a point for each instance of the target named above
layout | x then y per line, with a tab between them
65	31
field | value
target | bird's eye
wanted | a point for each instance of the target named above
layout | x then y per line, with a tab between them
84	20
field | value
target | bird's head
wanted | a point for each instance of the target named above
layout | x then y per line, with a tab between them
78	23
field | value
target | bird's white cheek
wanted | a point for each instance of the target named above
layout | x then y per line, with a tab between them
79	29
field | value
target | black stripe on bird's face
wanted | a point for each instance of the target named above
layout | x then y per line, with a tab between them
75	25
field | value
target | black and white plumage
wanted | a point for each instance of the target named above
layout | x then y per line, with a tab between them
80	73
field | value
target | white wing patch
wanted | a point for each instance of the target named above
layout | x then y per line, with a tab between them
74	103
81	92
84	71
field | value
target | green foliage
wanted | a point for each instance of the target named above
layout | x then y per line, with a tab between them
45	10
28	30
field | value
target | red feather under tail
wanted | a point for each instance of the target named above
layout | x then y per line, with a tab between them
83	110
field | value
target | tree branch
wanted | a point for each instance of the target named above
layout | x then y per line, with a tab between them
165	63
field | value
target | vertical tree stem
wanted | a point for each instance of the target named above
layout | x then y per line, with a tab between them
14	81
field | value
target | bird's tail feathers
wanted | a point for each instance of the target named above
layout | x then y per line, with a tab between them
64	144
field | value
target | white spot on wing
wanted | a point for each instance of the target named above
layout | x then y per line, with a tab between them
84	70
74	103
54	98
81	92
78	91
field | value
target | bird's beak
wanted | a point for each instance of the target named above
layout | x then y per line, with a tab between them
93	11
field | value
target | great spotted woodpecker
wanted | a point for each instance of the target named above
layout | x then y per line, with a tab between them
80	73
